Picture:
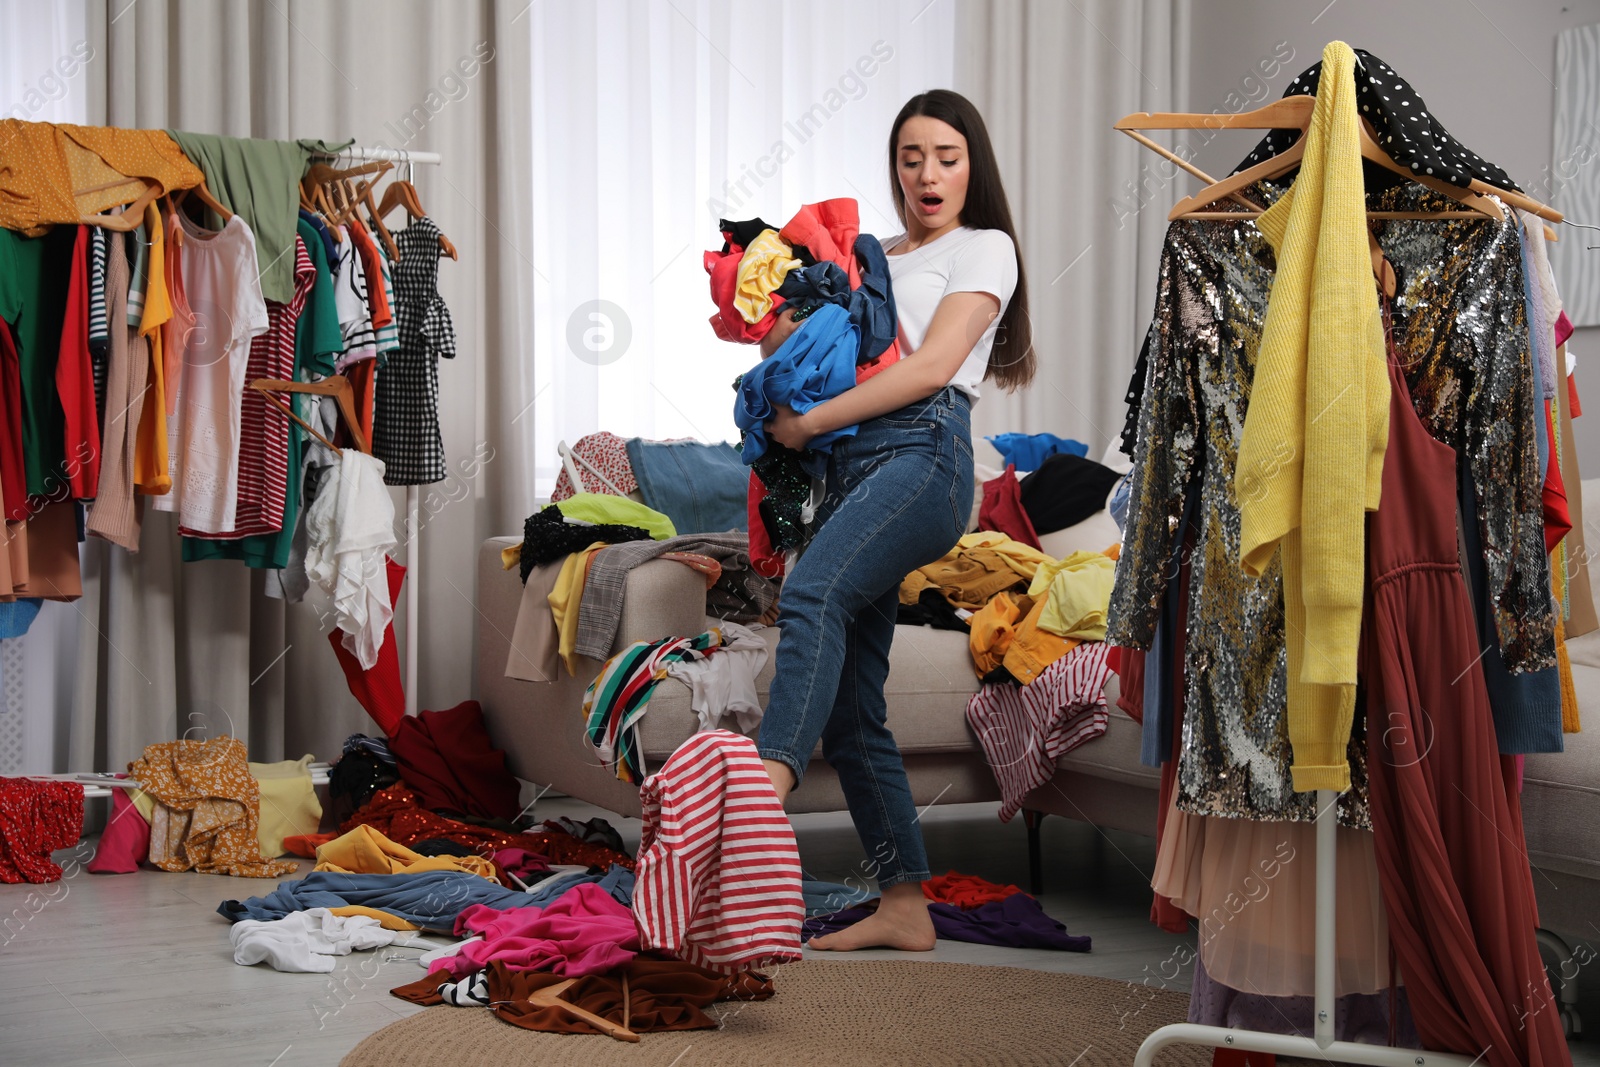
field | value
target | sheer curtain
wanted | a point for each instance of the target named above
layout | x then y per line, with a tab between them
1090	204
651	122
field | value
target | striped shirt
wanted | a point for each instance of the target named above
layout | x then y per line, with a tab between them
718	878
263	430
619	696
1025	729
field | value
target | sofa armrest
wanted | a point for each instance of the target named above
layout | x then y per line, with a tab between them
663	599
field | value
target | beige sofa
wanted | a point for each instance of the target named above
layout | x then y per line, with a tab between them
930	680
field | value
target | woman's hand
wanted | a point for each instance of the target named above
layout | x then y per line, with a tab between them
781	329
789	429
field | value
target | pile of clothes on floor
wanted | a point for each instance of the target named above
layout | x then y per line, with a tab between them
1036	624
558	928
575	558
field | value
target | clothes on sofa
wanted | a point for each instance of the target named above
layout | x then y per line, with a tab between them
1065	490
1028	451
547	537
1025	730
979	566
740	594
719	871
534	652
601	452
700	487
617	698
1002	510
931	609
1077	592
206	808
724	685
37	817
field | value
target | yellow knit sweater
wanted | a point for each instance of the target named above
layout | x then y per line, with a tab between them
1311	454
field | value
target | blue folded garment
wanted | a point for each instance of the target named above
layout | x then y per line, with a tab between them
432	898
1029	450
817	362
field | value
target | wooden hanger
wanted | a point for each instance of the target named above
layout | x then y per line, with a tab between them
132	216
549	997
402	193
1295	112
336	386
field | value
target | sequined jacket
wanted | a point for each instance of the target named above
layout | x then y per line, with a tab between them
1460	320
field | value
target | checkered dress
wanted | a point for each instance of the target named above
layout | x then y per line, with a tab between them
406	420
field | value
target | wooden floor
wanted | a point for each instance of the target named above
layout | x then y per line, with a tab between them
135	969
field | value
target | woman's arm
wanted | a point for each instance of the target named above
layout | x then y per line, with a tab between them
958	323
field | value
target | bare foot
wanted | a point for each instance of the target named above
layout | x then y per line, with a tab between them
901	922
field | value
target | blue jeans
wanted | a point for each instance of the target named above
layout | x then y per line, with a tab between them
899	494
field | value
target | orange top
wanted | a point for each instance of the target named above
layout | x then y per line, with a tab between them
42	165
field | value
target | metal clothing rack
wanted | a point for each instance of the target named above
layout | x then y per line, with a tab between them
413	510
1321	1045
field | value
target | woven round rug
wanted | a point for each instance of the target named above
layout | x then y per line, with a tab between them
837	1014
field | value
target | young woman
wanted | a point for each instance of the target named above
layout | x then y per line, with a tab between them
899	492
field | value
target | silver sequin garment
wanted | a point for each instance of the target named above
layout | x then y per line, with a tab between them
1460	322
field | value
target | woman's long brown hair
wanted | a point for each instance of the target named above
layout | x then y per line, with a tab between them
1012	361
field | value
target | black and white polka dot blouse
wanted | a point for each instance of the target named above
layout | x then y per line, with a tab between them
1404	126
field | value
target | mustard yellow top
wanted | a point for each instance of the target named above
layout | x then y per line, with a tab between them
1311	454
762	268
42	164
150	474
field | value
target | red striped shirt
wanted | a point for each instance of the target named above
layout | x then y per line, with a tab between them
1025	729
264	431
718	878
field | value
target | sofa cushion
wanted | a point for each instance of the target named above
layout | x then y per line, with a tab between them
1561	790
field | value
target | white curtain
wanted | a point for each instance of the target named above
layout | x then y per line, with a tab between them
1090	204
651	122
46	60
159	648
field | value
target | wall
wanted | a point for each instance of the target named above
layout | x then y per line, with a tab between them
1486	69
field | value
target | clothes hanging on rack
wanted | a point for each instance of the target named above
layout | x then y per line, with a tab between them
1451	855
42	165
406	425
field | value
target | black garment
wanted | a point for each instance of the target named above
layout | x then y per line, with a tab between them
931	609
1134	397
441	846
354	778
1405	128
597	831
377	746
788	488
405	432
547	536
871	305
1065	490
741	233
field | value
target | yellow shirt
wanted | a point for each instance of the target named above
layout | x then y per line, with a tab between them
150	475
1079	595
763	267
42	164
1311	453
564	599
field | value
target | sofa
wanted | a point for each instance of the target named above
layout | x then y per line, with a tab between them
930	680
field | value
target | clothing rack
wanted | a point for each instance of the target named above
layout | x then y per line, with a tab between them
413	509
1321	1045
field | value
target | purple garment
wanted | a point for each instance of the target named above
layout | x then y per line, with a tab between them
1360	1017
1018	921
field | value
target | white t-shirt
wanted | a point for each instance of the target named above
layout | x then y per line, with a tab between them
962	261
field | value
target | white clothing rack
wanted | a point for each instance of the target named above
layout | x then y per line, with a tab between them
413	509
1321	1045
